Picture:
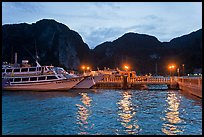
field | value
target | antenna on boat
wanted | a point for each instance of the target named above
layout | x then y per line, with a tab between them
38	65
37	57
15	60
36	52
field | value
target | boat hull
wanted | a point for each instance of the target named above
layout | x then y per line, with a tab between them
88	82
43	86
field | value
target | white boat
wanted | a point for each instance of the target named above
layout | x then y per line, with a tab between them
39	78
40	83
88	82
91	78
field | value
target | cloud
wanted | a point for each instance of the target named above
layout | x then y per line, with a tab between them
19	12
19	6
97	22
111	5
100	35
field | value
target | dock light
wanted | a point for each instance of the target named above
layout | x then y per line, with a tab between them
183	69
126	67
83	67
171	67
87	68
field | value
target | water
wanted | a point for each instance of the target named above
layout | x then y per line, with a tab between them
101	112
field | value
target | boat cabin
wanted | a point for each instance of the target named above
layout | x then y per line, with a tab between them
26	70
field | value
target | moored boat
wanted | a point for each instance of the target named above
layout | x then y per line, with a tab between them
40	83
38	78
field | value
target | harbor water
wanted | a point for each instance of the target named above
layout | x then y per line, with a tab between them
101	112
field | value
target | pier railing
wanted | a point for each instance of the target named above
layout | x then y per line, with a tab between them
141	79
189	84
197	81
193	85
149	80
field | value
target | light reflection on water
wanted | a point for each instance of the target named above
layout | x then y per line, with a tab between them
106	112
83	113
172	118
127	113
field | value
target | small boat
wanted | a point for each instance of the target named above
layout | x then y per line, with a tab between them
38	78
88	81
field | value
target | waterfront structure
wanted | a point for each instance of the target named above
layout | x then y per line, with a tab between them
192	85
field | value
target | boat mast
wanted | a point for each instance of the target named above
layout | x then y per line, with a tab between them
37	57
11	54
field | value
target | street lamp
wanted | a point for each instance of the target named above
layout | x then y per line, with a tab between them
171	67
126	67
178	72
183	69
83	68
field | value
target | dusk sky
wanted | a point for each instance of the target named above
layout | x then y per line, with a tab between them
98	22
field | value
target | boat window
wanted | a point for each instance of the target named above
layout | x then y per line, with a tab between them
17	79
51	77
38	68
3	70
16	70
41	78
25	79
45	68
9	70
32	69
24	70
10	79
33	79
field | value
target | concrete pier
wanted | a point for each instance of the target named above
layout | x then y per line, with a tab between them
140	83
191	85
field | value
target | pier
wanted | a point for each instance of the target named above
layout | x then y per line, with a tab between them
191	85
140	82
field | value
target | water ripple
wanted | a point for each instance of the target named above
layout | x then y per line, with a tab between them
101	112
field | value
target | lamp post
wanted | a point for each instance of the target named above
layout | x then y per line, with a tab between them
126	67
88	68
171	67
125	77
183	69
178	72
83	68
